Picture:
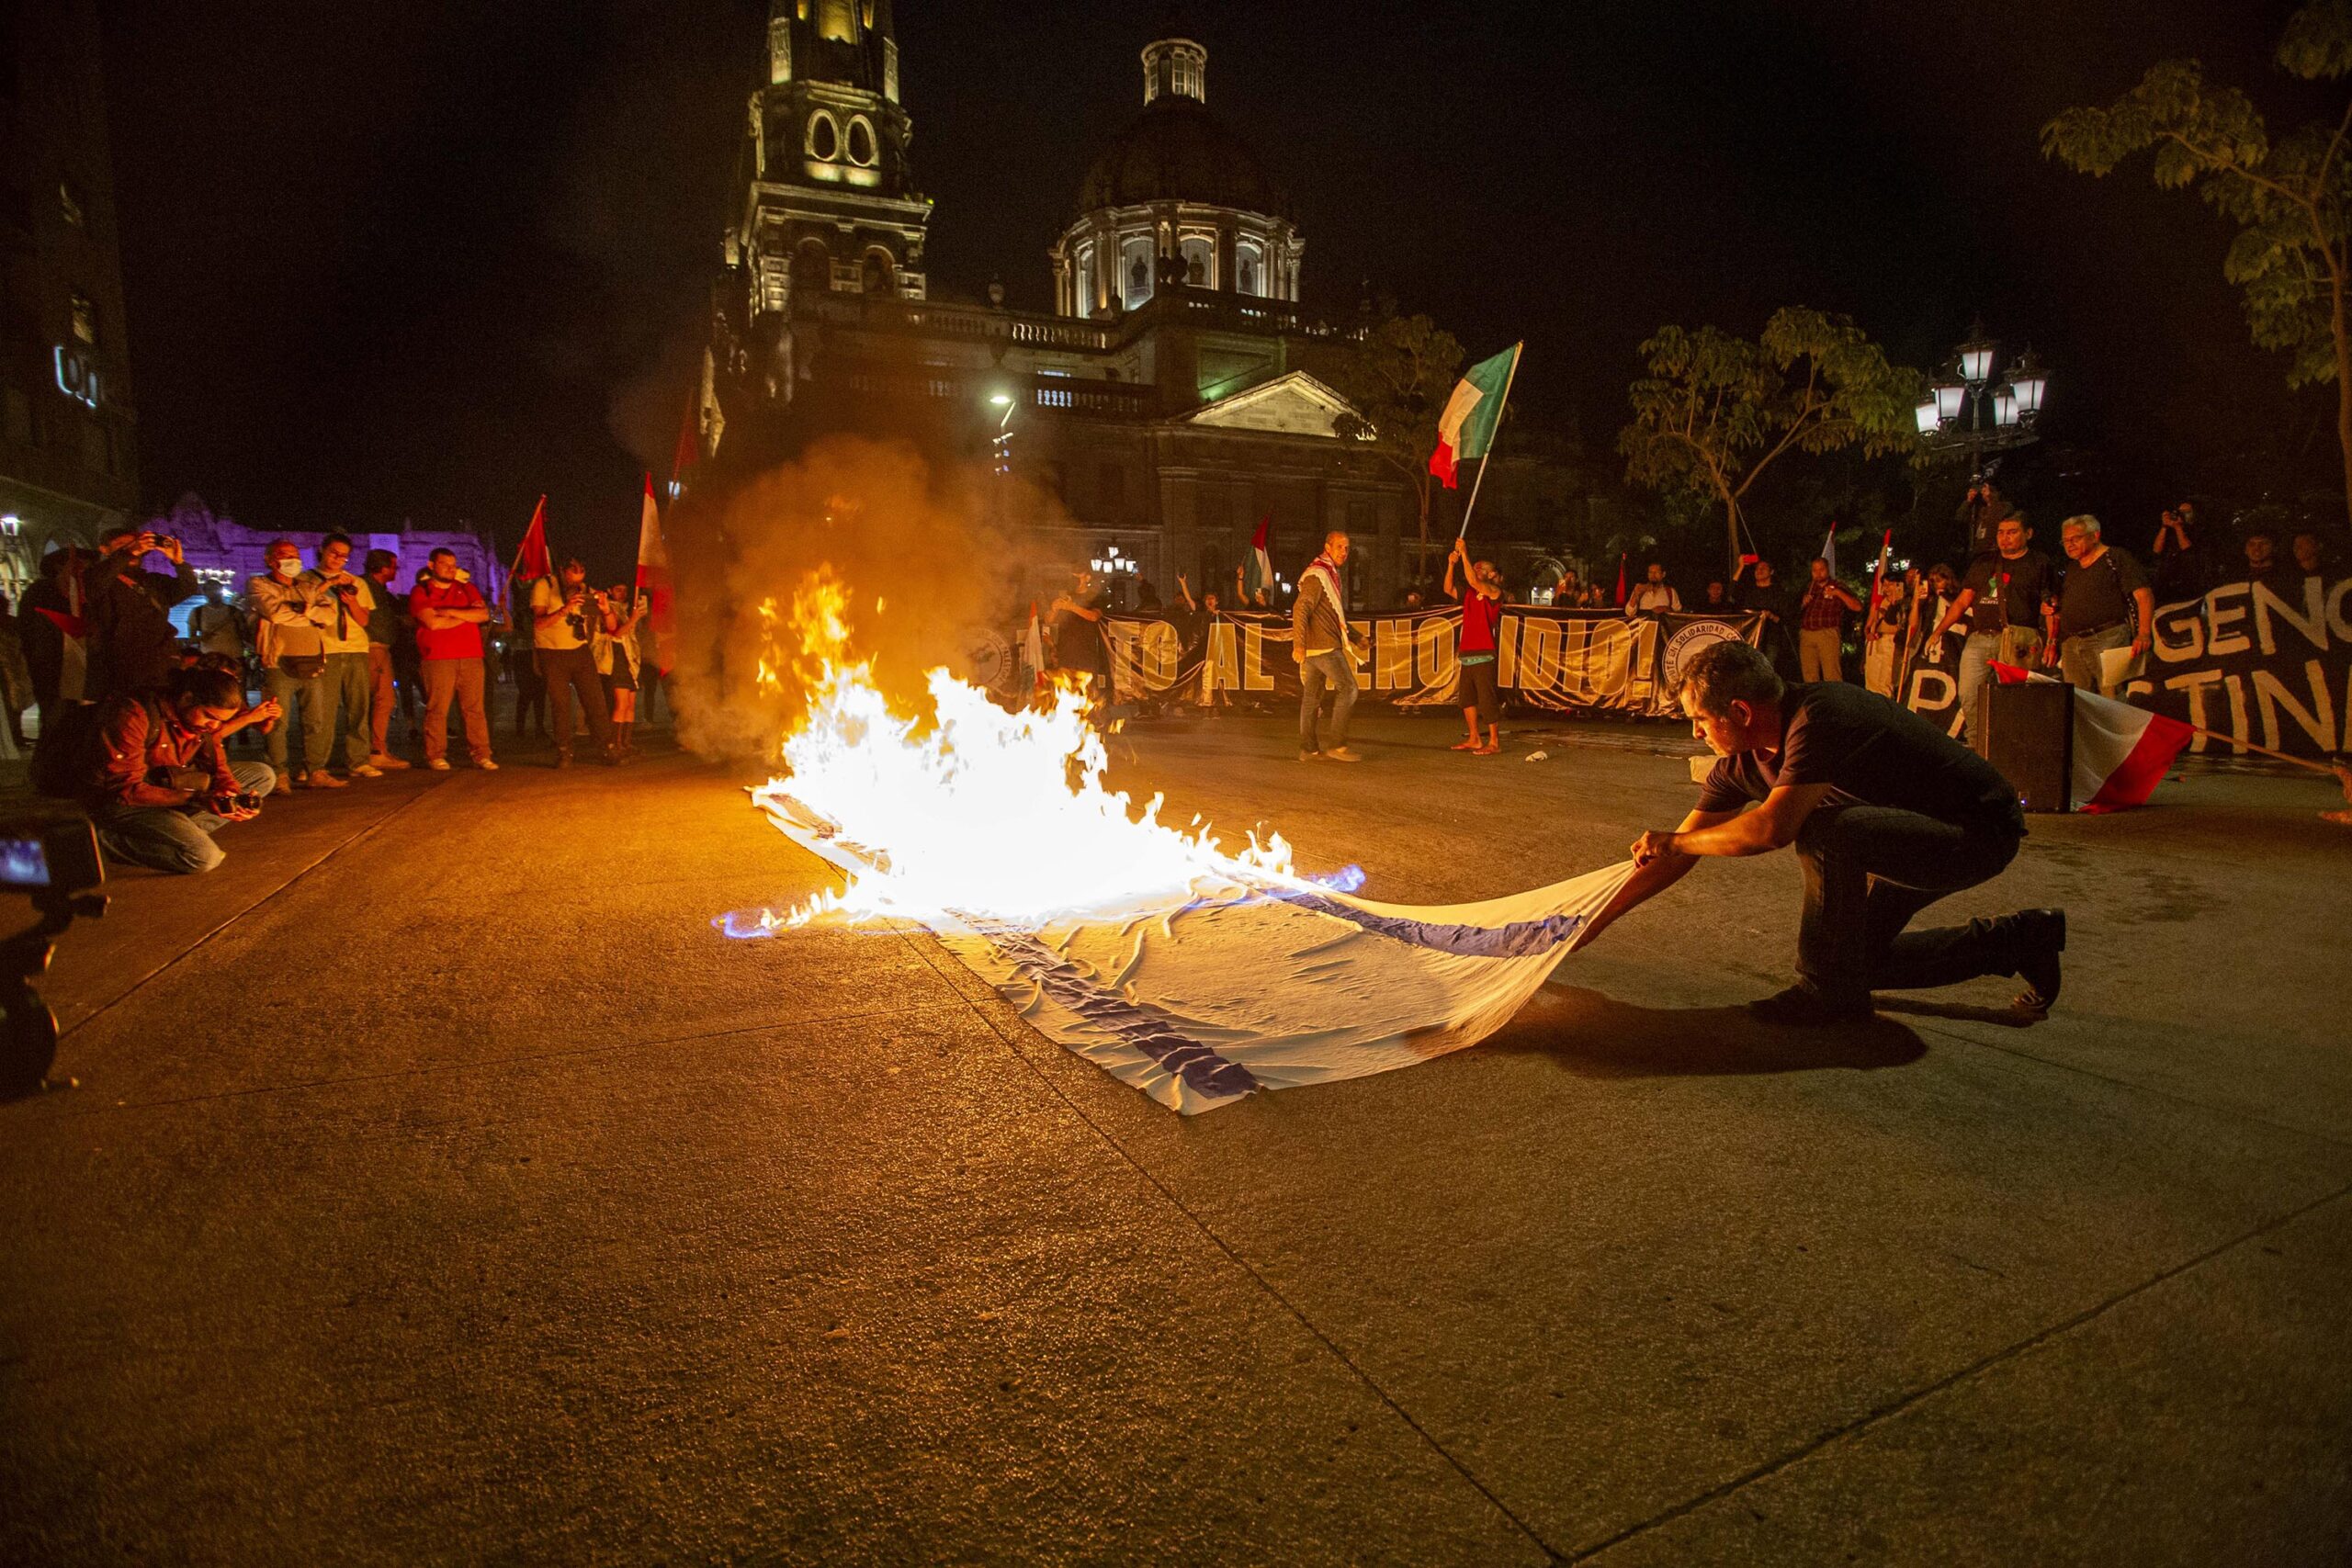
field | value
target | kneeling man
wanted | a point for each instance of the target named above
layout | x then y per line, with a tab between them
1887	813
157	781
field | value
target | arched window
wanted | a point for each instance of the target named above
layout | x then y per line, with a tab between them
1250	267
879	268
824	137
1200	263
1086	290
1135	257
812	266
861	142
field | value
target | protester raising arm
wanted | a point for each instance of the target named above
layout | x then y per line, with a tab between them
1185	592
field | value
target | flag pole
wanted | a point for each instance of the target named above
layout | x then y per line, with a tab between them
1502	407
516	564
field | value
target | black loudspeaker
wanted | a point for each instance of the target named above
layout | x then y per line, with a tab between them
2026	730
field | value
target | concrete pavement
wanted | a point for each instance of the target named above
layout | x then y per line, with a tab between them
442	1186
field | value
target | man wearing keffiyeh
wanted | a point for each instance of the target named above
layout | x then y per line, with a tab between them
1319	634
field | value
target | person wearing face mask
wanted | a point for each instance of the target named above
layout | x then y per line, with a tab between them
290	618
155	777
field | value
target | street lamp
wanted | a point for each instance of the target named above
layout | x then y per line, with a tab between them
1953	417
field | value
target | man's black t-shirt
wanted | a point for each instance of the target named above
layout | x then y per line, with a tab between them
1077	642
2097	596
1870	751
2008	592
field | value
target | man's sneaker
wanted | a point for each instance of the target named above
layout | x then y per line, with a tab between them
366	771
285	781
438	764
325	780
485	764
2042	934
563	759
1341	754
1808	1006
1310	756
384	764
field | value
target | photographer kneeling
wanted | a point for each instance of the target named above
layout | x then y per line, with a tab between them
155	779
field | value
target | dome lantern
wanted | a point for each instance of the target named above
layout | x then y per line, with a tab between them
1176	67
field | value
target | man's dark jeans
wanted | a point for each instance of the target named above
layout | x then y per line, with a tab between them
1868	869
572	671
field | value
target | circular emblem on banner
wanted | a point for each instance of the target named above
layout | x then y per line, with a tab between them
987	659
1685	644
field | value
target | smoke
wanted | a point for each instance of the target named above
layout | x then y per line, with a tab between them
926	574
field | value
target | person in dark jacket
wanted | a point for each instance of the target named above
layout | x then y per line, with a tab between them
133	645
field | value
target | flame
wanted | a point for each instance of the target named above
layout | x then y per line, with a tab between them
976	811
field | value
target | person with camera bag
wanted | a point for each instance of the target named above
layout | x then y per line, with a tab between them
344	641
567	615
290	615
155	777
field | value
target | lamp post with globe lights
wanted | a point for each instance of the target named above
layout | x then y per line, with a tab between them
1953	417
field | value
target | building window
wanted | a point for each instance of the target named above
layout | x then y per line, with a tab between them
861	143
812	266
824	137
69	203
879	271
86	321
1200	264
1250	267
1134	265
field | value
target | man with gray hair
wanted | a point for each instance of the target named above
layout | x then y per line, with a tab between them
2104	603
1887	813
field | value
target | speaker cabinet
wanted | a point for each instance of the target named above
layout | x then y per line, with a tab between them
2026	730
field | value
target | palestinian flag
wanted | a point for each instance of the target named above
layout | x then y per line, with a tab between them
1257	571
1467	428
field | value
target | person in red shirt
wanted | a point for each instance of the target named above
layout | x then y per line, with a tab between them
1481	597
449	612
155	777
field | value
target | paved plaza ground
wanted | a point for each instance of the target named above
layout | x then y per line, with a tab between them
441	1186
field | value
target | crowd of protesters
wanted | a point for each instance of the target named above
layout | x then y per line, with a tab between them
310	665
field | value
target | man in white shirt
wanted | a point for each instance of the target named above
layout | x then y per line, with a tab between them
1653	595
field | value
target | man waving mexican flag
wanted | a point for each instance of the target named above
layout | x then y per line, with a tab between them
1467	428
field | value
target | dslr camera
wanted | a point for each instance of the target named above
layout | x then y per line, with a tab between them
52	858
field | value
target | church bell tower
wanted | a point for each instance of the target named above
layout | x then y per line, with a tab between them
829	205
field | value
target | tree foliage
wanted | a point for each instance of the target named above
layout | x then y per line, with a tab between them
1715	411
1396	377
2289	195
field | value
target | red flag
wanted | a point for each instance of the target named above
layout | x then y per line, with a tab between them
653	578
531	561
2121	752
1621	580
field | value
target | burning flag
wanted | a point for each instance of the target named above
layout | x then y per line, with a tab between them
652	578
1197	974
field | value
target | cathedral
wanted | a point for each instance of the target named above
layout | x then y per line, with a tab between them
1157	416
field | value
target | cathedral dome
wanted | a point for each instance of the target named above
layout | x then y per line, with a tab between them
1177	150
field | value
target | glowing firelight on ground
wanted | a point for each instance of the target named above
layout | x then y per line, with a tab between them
976	811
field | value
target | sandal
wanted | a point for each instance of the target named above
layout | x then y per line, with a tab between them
1471	745
1484	750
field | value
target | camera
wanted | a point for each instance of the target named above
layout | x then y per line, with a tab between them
57	853
52	857
246	800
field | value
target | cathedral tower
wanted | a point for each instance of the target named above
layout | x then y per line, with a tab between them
829	204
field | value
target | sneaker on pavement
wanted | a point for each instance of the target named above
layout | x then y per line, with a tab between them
285	781
324	779
563	759
366	771
2045	935
386	764
485	764
1310	756
1344	754
438	764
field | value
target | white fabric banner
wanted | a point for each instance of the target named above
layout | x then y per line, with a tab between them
1249	986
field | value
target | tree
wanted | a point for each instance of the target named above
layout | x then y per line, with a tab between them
1396	377
2287	198
1716	412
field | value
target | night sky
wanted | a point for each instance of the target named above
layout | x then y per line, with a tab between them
428	261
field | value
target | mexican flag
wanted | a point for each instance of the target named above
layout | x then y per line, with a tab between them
1257	571
1467	428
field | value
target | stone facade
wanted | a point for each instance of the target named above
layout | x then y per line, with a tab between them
1154	420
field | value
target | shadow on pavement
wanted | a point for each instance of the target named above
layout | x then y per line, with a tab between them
1597	1036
